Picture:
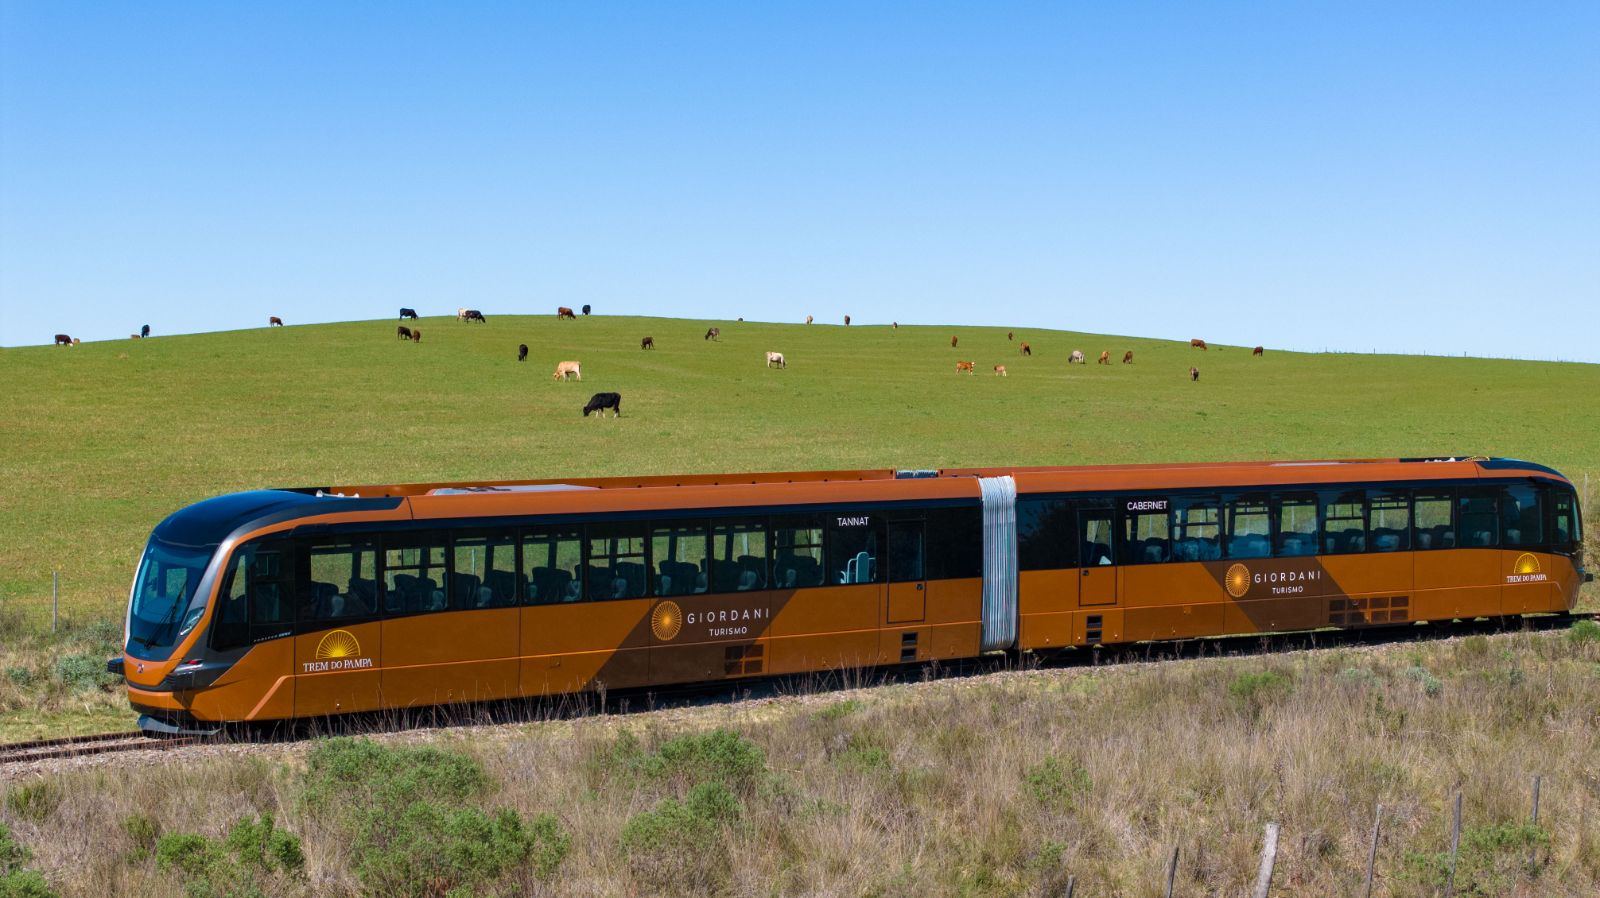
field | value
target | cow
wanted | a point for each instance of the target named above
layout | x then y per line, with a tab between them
416	335
895	325
475	315
1105	357
1194	373
144	332
964	366
564	312
274	321
713	333
1011	335
1026	349
522	352
1197	344
599	402
568	370
1076	358
461	314
402	332
63	340
75	341
585	308
775	360
408	313
1127	357
647	343
135	337
847	321
1000	370
808	319
1258	350
953	341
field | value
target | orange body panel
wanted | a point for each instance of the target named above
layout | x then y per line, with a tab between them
458	656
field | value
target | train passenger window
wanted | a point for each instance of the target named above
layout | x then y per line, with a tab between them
738	555
955	543
853	550
414	573
1096	534
1249	526
271	584
343	581
906	556
1475	514
797	552
484	574
615	561
1433	518
552	565
1522	515
1344	521
230	625
1045	535
1146	531
1297	524
1196	528
683	564
1564	533
1388	520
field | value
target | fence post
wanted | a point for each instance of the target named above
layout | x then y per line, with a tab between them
1372	849
55	599
1533	855
1455	849
1172	871
1269	856
1072	883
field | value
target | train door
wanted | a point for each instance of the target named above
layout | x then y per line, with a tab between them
908	586
338	636
1097	573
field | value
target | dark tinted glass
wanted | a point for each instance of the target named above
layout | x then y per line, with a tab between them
1522	515
853	550
1146	531
1296	515
1045	537
1096	533
682	558
485	573
738	555
1249	526
552	565
797	551
1564	519
230	625
905	551
343	581
615	560
1475	515
414	573
955	543
1344	521
1196	528
1388	520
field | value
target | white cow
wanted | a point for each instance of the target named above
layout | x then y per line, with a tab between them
461	314
775	360
1076	358
568	370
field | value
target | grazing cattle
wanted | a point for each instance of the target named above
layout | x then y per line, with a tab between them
408	313
475	315
964	366
1000	370
274	321
1105	358
74	341
1258	350
144	331
953	342
1010	335
1026	349
1194	373
564	312
1127	357
461	314
647	343
416	335
775	360
586	308
1076	358
847	321
599	402
895	325
808	319
1197	344
63	340
402	332
713	333
134	337
568	370
522	352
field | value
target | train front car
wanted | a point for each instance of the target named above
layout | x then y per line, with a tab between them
196	651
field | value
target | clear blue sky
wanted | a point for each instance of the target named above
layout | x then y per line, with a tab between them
1410	177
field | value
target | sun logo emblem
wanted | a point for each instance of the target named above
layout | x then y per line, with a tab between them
666	621
1237	581
1526	564
338	644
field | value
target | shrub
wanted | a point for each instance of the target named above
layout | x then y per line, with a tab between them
1260	687
678	845
20	676
839	710
1430	683
82	672
12	854
143	832
863	752
683	761
34	801
1492	858
254	859
1584	632
1052	782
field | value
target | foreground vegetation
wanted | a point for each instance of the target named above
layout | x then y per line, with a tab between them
999	785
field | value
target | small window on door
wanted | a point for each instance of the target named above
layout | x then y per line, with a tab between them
1096	536
905	551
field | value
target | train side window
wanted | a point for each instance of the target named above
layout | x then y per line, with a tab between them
955	543
272	572
1522	515
414	573
1344	521
1433	516
853	548
1146	531
1096	532
1296	532
1196	528
1475	514
1249	526
230	625
484	572
683	563
1564	533
342	582
797	552
615	561
1046	537
738	555
552	565
1388	520
906	556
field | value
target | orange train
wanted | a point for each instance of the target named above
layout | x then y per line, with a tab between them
281	604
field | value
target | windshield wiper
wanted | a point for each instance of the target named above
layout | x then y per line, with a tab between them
165	622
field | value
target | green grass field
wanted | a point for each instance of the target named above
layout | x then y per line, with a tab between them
103	440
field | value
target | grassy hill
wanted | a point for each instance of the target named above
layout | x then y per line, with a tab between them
103	440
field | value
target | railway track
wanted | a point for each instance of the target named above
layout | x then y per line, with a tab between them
80	746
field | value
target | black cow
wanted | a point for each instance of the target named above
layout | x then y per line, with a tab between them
599	402
474	315
144	331
586	308
408	313
403	332
522	352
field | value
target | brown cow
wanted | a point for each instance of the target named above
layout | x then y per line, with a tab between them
1194	373
647	343
75	341
402	332
564	312
964	366
1258	350
847	321
953	342
1127	357
63	340
274	320
1105	357
1000	370
713	333
416	335
1026	349
1197	344
808	319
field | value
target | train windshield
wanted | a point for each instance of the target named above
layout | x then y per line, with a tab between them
165	605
